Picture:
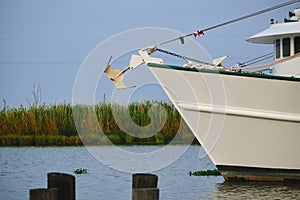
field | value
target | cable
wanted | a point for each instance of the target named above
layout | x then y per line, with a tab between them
270	63
201	32
254	14
258	59
268	57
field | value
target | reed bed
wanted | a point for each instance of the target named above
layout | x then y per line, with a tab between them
54	124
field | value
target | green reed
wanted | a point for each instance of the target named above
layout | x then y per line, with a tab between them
54	124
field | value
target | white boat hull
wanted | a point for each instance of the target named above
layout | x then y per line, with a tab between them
249	125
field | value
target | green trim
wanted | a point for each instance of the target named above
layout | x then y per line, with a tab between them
285	78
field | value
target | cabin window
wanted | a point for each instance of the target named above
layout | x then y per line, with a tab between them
277	49
297	44
286	43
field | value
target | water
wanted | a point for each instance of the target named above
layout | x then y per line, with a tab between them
25	168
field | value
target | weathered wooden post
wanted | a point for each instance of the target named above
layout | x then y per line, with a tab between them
43	194
144	187
64	183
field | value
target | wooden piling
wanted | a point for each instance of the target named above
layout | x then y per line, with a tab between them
64	183
43	194
144	180
144	186
145	194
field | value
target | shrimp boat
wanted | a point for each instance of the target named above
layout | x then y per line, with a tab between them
248	122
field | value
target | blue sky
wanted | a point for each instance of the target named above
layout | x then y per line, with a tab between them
45	42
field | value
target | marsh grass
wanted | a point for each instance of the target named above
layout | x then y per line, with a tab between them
54	125
213	172
80	171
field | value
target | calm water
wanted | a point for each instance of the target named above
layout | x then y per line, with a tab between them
26	168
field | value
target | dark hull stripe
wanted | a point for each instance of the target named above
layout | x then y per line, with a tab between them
238	173
264	76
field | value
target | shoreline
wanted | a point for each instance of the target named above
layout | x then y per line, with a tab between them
64	141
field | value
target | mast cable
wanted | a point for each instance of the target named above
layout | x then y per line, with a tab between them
201	32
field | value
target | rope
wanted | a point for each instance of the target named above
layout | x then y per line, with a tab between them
201	32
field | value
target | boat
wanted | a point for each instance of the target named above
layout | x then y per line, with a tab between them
247	121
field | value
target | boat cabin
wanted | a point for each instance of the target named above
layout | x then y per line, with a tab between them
287	46
286	40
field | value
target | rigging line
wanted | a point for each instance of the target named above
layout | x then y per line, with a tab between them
254	59
262	59
271	63
254	14
231	21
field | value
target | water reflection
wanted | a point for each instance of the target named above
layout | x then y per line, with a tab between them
256	190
